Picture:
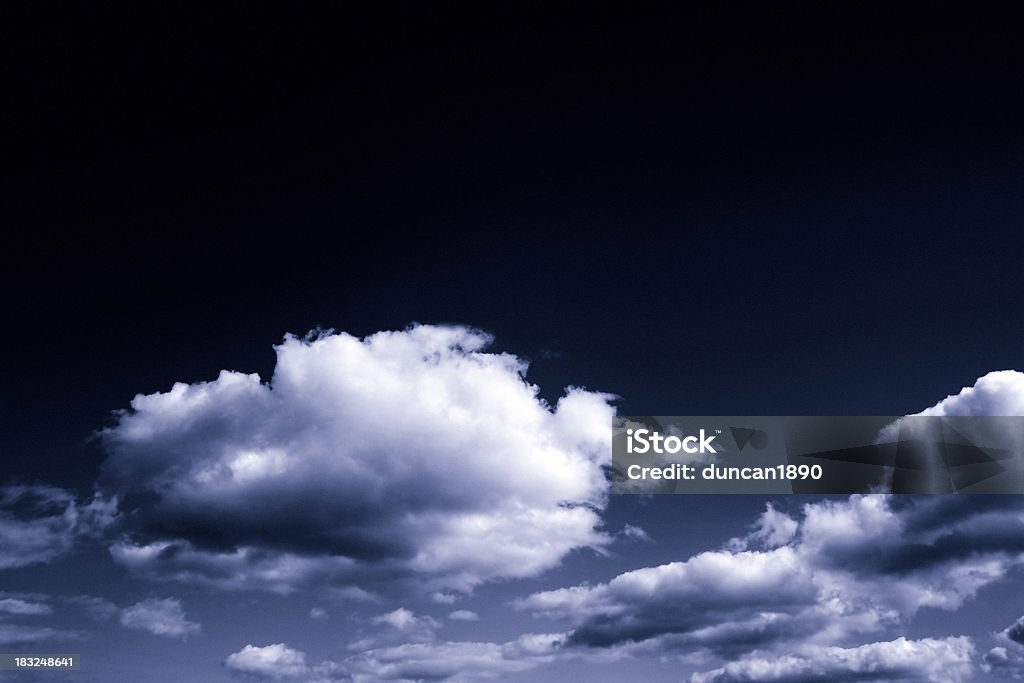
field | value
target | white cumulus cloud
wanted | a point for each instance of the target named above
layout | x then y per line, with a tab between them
404	454
997	393
279	662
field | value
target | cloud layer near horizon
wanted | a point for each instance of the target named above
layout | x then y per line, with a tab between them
362	461
796	598
417	458
802	598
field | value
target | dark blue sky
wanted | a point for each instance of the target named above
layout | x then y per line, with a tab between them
739	212
742	211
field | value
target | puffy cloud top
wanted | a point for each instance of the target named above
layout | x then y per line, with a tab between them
277	661
997	393
405	453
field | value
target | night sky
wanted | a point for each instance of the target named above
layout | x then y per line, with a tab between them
747	211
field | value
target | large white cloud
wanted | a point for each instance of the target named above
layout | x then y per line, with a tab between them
411	453
43	523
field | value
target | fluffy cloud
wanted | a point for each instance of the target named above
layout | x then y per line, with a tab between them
42	523
935	660
773	529
401	625
634	533
278	662
463	615
997	393
161	617
270	661
410	662
412	453
1007	658
430	660
788	600
711	599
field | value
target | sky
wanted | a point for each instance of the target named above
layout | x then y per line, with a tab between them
316	323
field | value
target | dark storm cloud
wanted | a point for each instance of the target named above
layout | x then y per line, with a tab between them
1016	632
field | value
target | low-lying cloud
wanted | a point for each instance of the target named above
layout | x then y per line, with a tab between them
795	599
946	660
453	661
